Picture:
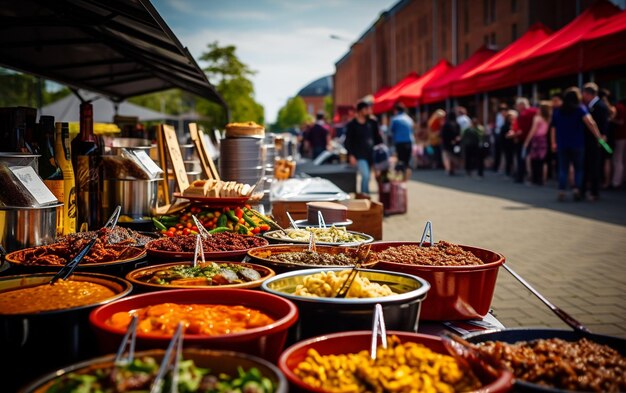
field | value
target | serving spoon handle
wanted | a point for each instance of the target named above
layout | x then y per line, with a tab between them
565	317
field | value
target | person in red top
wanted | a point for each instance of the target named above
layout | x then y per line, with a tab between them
524	124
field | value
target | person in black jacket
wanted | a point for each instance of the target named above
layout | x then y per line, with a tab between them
593	155
450	138
362	134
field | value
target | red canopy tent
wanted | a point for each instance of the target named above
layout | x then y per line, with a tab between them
385	101
411	94
381	91
560	54
497	72
440	89
606	45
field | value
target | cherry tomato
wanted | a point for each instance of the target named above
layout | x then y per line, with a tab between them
186	231
169	234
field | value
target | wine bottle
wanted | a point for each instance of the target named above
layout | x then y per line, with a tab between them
49	170
87	163
63	158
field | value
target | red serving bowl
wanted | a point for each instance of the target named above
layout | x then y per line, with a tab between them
266	342
456	292
356	341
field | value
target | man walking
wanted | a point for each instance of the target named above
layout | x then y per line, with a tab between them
401	130
593	156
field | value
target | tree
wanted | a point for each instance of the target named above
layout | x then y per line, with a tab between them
293	114
17	89
233	84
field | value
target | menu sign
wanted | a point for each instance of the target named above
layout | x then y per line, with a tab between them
33	184
173	148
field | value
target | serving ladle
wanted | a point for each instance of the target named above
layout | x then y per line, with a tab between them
565	317
69	267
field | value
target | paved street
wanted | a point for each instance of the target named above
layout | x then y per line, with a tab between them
574	253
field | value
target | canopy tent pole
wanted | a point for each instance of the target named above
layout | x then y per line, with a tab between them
418	115
520	91
77	94
580	80
447	104
485	107
592	76
535	93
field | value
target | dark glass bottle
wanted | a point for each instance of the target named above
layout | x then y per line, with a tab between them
48	166
87	163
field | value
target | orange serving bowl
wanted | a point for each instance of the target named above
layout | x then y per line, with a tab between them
457	292
266	341
356	341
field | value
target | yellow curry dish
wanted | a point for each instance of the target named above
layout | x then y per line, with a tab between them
63	294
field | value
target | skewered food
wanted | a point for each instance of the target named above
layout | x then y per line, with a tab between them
60	295
204	319
581	365
402	367
208	274
439	254
327	284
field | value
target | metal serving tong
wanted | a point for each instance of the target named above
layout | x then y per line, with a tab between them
127	342
199	250
291	221
201	229
428	233
170	362
469	357
565	317
312	246
378	328
362	252
69	267
320	220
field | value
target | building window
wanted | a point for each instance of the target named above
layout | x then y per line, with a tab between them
466	50
466	17
492	10
513	5
493	39
444	42
486	12
513	31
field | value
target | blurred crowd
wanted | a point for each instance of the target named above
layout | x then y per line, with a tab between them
577	139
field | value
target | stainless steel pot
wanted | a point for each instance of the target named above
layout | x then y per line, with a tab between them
138	198
23	227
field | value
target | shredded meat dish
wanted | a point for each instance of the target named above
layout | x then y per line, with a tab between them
219	242
581	365
439	254
314	258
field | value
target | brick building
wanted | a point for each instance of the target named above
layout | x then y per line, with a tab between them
415	34
314	94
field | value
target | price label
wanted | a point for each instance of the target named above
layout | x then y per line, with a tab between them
33	184
147	162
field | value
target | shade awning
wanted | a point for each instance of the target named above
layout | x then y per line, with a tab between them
384	102
440	89
411	94
118	48
560	54
606	45
496	72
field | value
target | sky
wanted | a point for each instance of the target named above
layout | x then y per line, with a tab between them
287	42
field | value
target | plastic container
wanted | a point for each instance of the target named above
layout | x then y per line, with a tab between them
356	341
457	292
266	342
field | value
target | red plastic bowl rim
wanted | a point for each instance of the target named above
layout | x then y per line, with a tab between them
502	382
279	325
485	266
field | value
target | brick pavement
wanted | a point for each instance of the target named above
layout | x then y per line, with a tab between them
574	253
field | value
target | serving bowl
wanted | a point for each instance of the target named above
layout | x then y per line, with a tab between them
261	255
139	276
328	315
217	362
528	334
457	292
34	343
356	341
266	341
277	237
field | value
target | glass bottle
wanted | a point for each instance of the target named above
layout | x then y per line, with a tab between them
87	164
63	158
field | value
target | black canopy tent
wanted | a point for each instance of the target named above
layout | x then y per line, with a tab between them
118	48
